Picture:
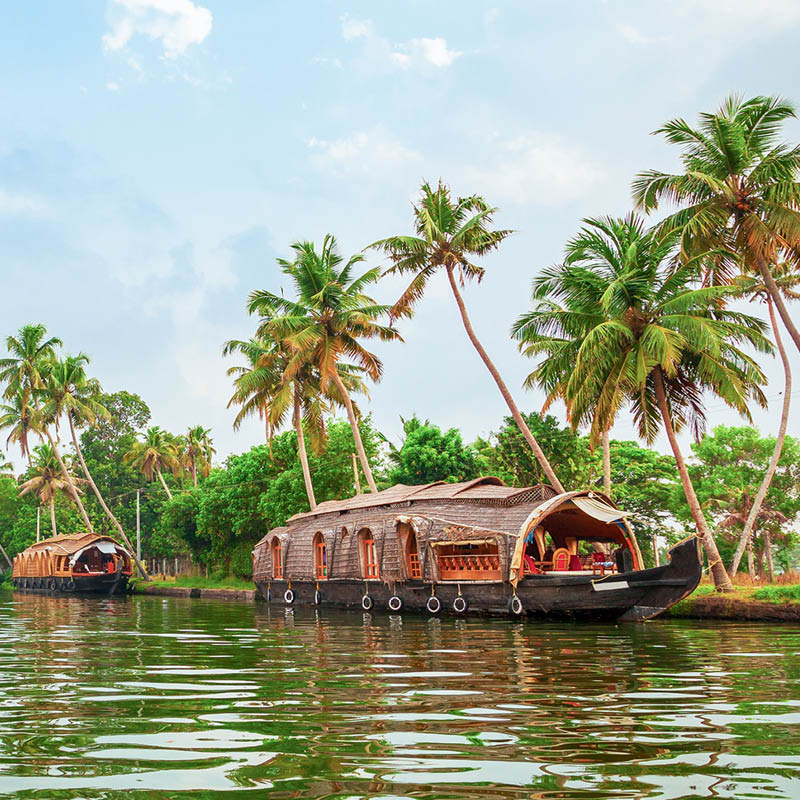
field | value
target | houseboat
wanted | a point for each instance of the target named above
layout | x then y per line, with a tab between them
474	547
79	562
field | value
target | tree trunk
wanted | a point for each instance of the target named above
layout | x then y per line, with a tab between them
755	509
102	502
722	582
301	450
72	490
53	516
164	483
194	471
775	295
512	406
751	564
5	556
606	463
768	553
351	415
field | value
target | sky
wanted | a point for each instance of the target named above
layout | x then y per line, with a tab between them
157	156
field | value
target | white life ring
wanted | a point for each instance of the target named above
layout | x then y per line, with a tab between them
367	602
288	597
515	606
395	603
460	605
434	604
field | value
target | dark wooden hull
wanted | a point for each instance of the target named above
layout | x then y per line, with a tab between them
85	584
630	596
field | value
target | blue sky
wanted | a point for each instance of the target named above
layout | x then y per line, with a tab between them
156	156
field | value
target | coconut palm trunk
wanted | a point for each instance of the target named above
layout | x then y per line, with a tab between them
164	483
53	516
768	553
301	449
606	463
722	582
512	406
72	490
751	563
5	556
775	296
351	415
115	522
755	509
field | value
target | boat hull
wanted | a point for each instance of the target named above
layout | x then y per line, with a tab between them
89	584
630	596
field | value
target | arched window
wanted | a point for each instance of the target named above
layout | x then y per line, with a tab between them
277	566
369	554
320	557
412	557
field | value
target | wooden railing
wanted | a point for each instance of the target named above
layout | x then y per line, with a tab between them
470	568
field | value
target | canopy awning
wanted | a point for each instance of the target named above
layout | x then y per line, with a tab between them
109	548
596	508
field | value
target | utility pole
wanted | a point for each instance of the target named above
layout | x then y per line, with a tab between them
355	474
138	529
655	549
38	522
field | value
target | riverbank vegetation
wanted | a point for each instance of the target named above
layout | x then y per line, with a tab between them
656	321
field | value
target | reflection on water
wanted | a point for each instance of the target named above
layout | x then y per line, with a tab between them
150	698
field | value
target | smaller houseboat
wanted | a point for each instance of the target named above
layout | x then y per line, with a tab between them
79	562
476	547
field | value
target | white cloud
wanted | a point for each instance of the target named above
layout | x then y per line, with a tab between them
175	23
356	28
19	204
538	169
112	86
490	16
362	151
632	35
414	52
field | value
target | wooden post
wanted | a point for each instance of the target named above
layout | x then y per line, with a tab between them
138	528
38	522
655	550
355	474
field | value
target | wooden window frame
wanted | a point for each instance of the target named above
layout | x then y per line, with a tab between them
277	563
320	558
413	562
372	571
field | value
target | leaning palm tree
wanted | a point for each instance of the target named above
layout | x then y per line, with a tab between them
655	340
32	355
199	451
739	191
71	394
448	235
326	323
48	480
788	283
156	452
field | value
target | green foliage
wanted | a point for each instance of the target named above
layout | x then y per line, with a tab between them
779	594
221	520
242	560
508	455
428	455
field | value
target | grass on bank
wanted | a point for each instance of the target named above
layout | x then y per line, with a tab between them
199	582
776	594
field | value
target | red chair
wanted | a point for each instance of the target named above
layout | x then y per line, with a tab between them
575	564
530	566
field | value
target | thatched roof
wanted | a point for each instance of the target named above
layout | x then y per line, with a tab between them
489	488
68	544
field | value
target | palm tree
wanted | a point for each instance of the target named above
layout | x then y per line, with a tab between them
199	451
72	394
645	335
156	452
739	190
31	357
448	235
326	322
16	416
787	282
48	480
5	465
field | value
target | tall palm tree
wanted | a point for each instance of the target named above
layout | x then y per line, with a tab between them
71	394
787	282
739	191
647	335
448	235
199	451
156	452
327	322
16	416
31	355
5	466
48	480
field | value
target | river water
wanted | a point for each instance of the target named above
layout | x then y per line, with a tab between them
150	697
